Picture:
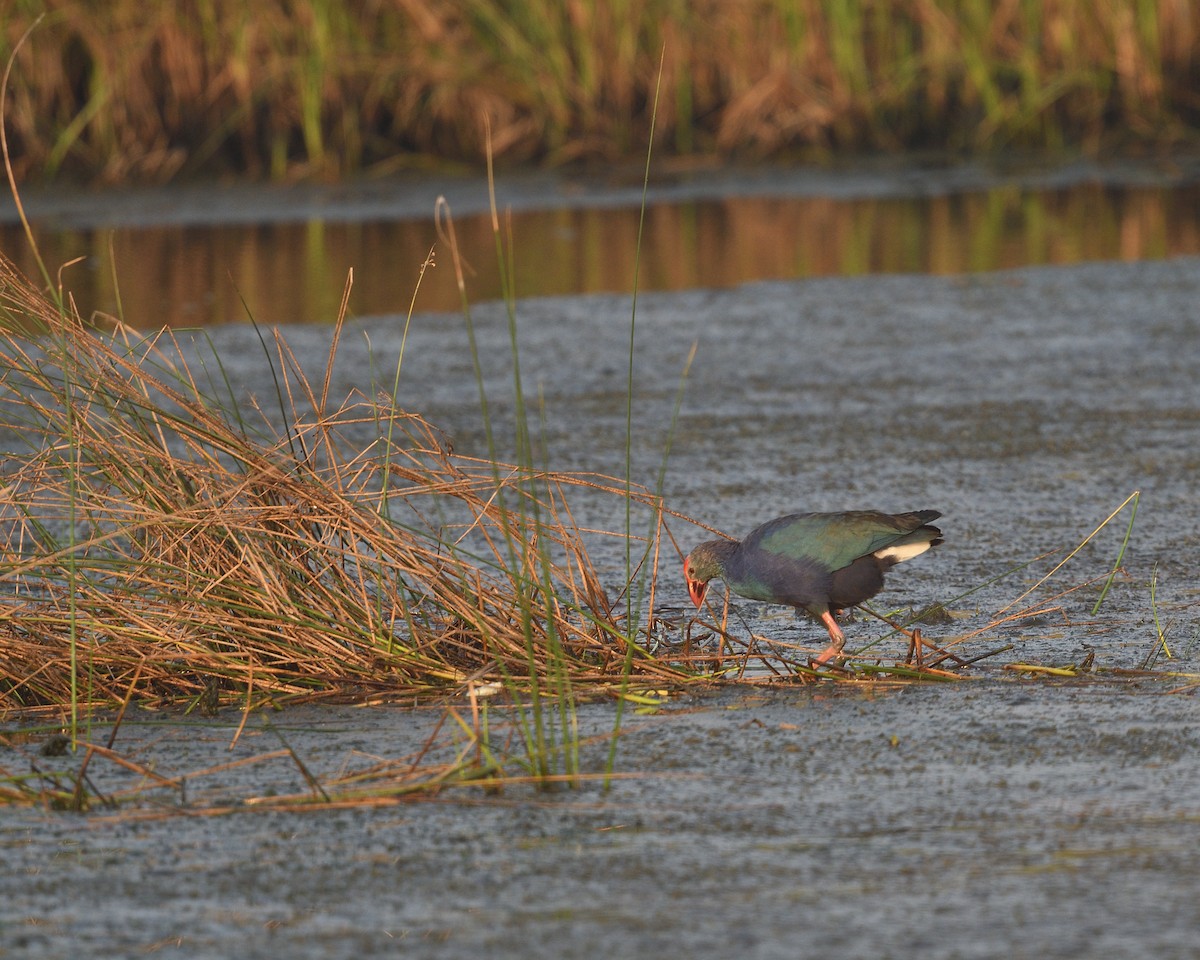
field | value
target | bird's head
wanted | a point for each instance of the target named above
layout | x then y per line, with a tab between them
701	565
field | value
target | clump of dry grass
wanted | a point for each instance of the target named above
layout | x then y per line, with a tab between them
156	543
129	91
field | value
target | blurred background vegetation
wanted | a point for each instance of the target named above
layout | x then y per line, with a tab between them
123	90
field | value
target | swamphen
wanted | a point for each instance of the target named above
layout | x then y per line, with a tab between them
817	562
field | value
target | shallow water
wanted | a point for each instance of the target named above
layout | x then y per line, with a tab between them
999	817
207	255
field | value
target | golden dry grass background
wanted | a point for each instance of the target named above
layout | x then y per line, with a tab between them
123	90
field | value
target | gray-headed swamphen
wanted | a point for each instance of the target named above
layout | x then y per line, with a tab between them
821	563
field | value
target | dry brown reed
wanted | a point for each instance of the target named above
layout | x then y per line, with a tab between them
159	544
133	91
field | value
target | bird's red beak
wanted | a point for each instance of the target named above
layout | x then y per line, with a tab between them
696	588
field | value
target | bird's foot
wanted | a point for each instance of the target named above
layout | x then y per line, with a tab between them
832	654
837	641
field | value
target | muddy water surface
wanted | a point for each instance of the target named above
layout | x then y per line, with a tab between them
997	817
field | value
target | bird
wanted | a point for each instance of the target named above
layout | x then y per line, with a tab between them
819	563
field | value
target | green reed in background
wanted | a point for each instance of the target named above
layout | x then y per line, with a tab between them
122	91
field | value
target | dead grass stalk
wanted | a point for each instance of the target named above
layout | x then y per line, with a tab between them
152	538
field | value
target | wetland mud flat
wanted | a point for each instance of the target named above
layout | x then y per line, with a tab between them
982	819
1001	816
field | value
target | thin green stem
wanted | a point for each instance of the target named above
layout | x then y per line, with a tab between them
633	610
1158	629
1134	497
394	400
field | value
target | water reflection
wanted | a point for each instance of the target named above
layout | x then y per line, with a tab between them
285	273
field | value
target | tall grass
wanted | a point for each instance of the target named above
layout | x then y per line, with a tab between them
187	547
129	91
157	532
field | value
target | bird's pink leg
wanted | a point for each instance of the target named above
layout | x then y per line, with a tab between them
835	634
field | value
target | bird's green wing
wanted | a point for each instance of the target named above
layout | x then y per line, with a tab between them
833	540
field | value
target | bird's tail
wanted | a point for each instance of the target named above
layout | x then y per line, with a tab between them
910	545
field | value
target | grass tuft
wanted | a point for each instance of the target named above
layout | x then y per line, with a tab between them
149	530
